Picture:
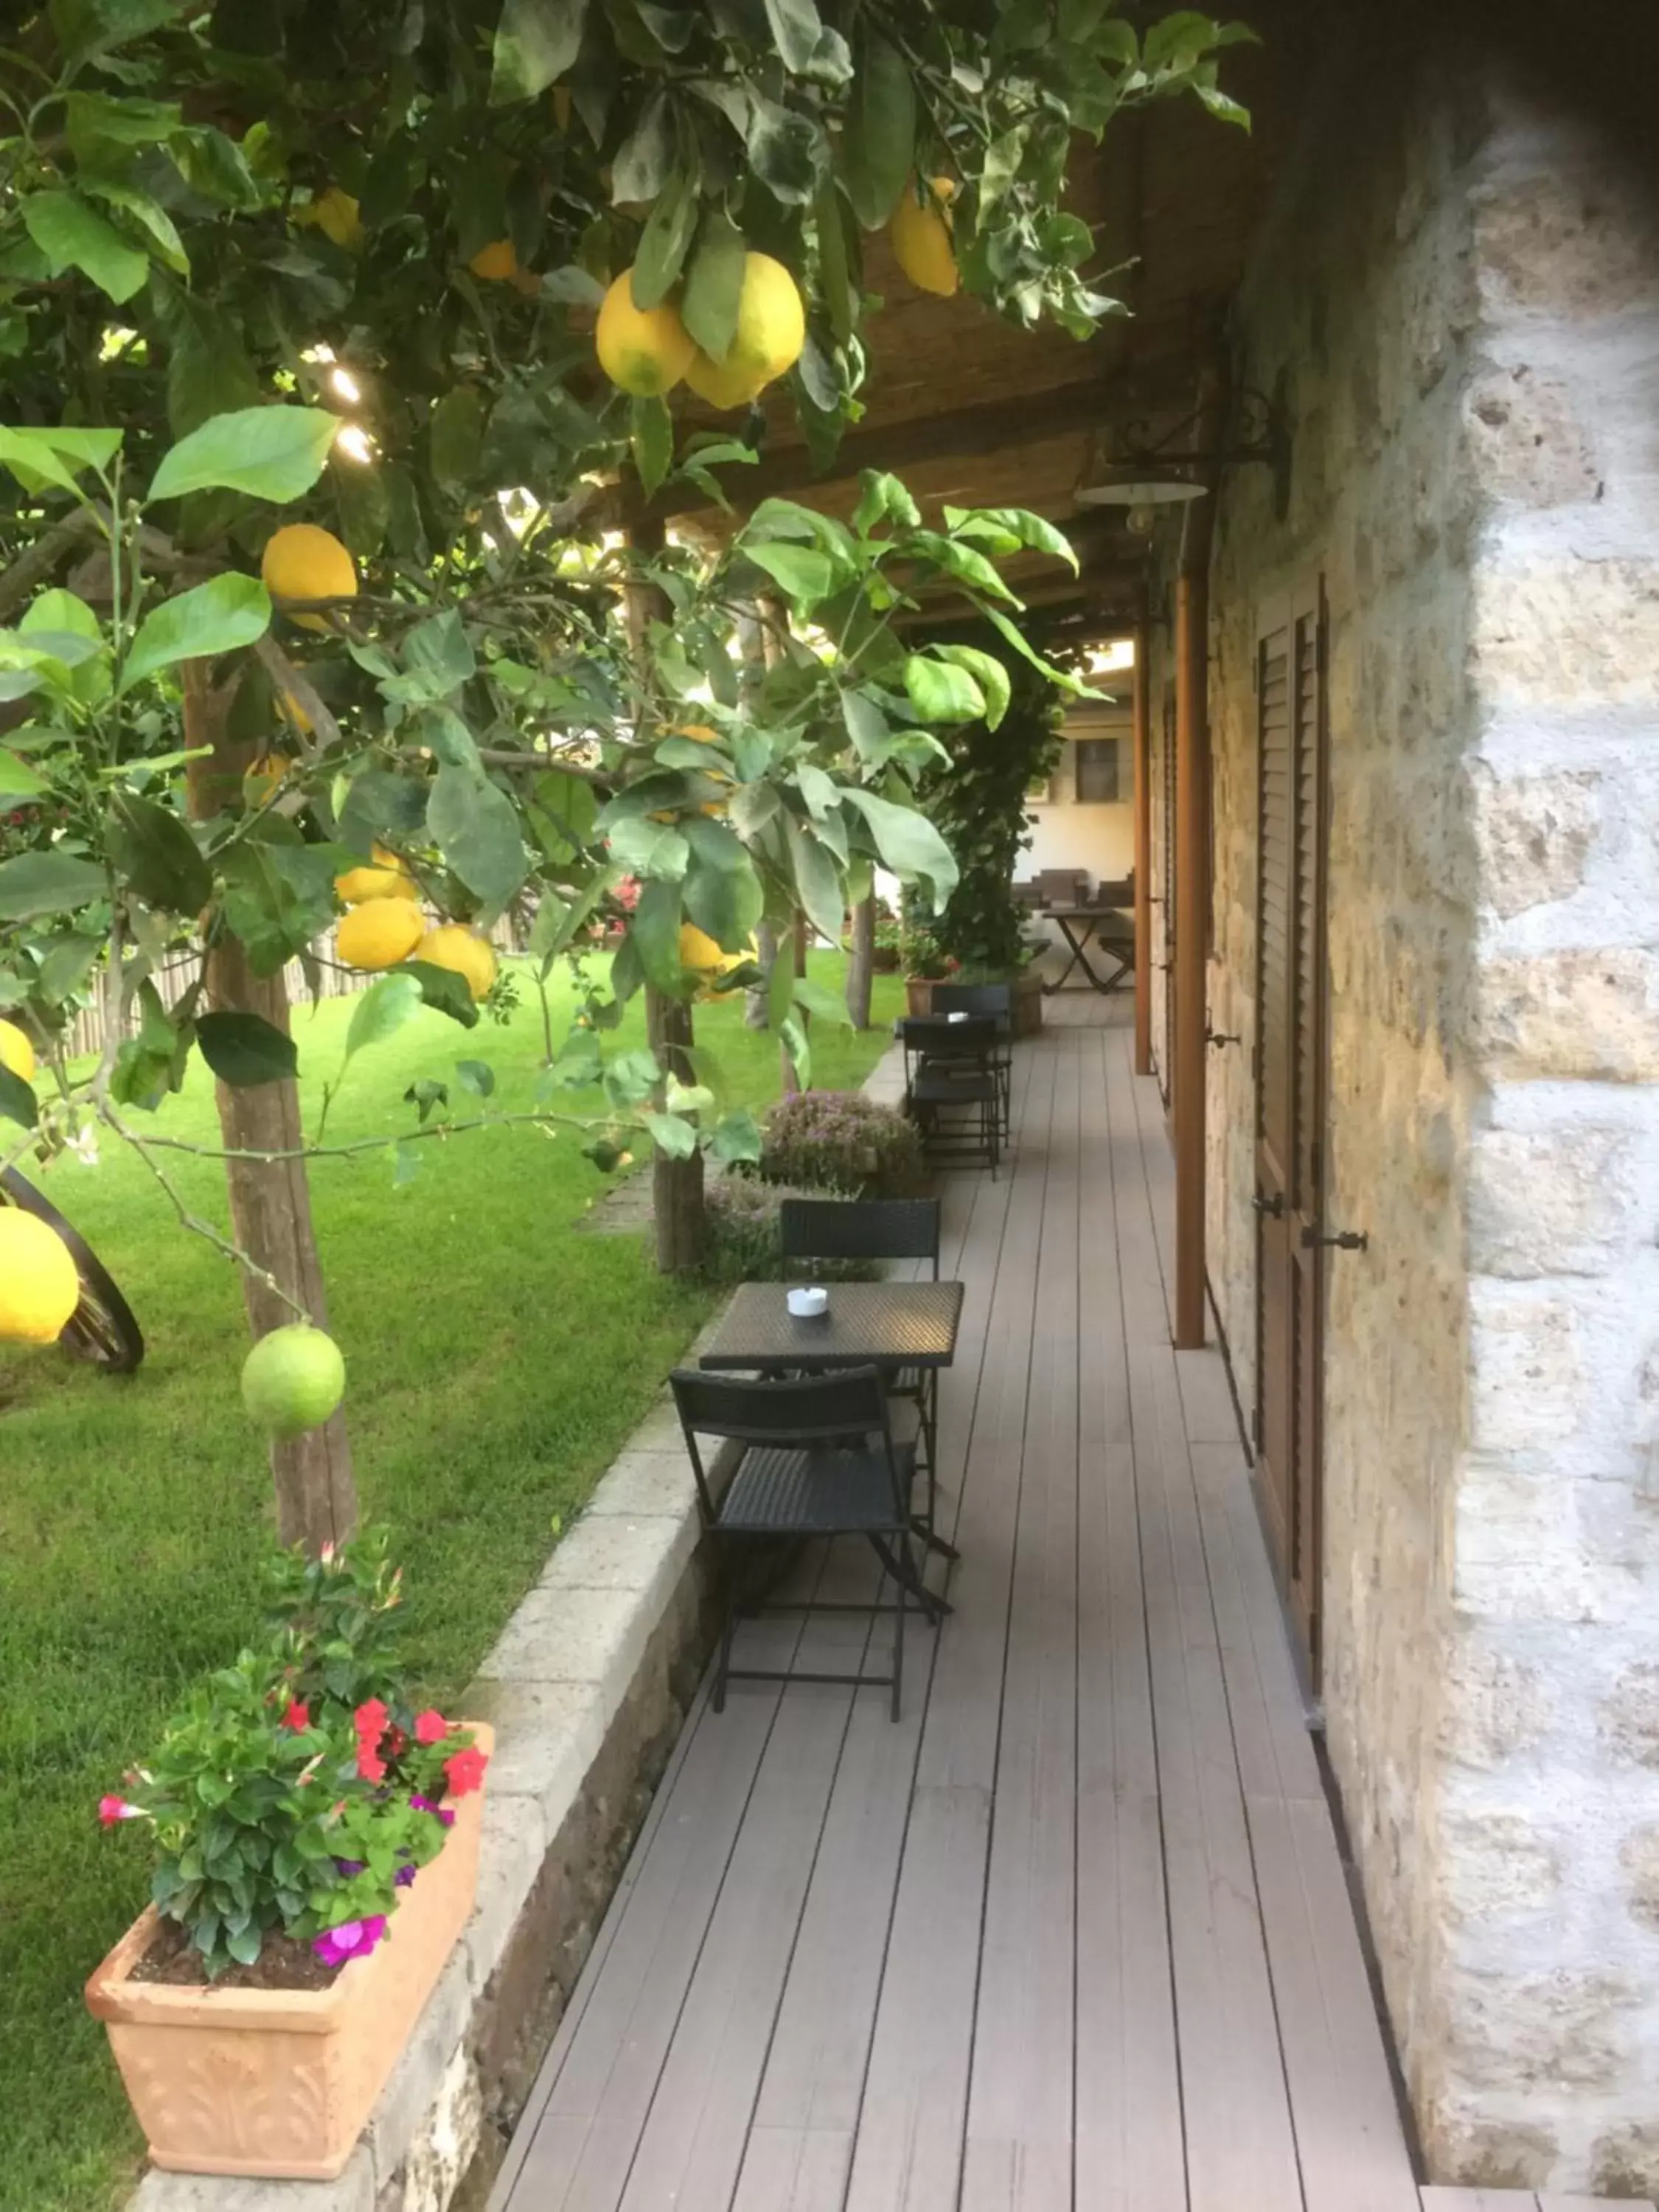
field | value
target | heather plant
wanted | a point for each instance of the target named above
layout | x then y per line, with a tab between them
840	1140
743	1240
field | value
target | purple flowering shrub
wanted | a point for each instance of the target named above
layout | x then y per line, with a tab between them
298	1792
840	1140
742	1238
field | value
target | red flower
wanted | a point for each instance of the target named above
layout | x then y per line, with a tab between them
370	1719
298	1715
430	1727
112	1809
396	1742
465	1770
370	1766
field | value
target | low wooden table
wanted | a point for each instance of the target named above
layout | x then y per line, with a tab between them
1078	924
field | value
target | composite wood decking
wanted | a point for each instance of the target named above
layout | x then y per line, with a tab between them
1074	1935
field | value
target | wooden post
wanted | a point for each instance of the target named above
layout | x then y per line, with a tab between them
269	1200
1189	1074
676	1186
861	964
1143	863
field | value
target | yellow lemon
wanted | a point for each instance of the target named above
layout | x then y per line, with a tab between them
643	350
463	952
496	262
767	342
359	885
301	561
722	383
293	1379
699	951
39	1286
380	933
296	713
921	234
17	1051
336	215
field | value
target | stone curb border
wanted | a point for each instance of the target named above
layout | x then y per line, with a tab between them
588	1686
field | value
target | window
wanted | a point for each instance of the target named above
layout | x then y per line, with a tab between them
1094	764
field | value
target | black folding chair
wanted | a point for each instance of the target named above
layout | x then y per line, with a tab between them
952	1089
817	1459
878	1229
996	1000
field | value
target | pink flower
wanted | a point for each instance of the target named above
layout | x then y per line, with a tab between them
465	1770
370	1766
111	1810
438	1811
352	1939
298	1715
430	1727
370	1719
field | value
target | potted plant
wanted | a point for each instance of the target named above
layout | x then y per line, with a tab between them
925	962
315	1845
888	945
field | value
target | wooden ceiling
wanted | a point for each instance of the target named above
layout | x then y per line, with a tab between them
971	410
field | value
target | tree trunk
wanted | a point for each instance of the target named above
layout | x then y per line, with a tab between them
861	967
269	1200
676	1186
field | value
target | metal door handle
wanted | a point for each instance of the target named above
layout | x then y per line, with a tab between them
1344	1240
1273	1206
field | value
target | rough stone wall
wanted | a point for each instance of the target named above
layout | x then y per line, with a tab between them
1461	286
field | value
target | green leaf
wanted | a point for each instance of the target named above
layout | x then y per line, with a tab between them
56	457
149	215
664	242
736	1137
645	156
157	856
654	850
37	884
878	139
217	617
244	1049
713	286
17	1100
381	804
787	151
443	990
1073	686
820	1001
209	372
724	902
279	896
792	1032
940	692
631	1078
961	561
66	967
456	434
476	825
818	881
244	1945
989	672
677	1138
476	1076
867	727
907	842
801	572
796	30
438	653
269	453
990	524
536	42
17	781
653	931
382	1009
73	235
651	434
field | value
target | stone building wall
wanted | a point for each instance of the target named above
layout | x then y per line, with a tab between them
1460	288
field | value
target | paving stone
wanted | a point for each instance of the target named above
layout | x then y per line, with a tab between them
406	2103
646	1482
216	2192
614	1550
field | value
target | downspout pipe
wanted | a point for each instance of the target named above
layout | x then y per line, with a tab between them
1192	874
1143	827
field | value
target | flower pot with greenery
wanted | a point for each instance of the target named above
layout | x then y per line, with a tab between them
316	1853
925	962
888	946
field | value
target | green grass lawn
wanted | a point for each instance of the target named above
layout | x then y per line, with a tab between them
496	1359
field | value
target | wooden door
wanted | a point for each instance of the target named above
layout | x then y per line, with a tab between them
1291	1091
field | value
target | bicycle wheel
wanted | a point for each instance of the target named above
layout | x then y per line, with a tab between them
103	1328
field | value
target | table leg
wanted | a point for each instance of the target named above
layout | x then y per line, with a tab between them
1065	931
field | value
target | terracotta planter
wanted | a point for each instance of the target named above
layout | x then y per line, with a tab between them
280	2082
1027	1003
918	994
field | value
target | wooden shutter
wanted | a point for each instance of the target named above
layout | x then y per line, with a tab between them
1167	892
1290	1092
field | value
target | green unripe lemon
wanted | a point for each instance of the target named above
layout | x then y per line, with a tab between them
293	1380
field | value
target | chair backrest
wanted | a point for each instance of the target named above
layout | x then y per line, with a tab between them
859	1228
996	999
1027	891
935	1037
824	1411
1063	886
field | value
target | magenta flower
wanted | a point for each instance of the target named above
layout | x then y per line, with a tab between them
404	1876
442	1812
111	1810
352	1939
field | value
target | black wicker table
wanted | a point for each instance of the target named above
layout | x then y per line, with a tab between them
868	1325
894	1326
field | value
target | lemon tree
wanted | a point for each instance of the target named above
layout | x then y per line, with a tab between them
324	335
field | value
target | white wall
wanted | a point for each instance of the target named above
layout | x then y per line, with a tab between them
1065	835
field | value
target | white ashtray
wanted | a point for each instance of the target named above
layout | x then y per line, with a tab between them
956	1018
809	1302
